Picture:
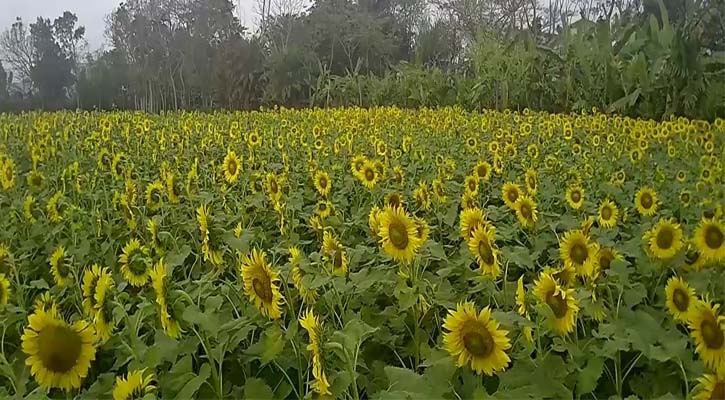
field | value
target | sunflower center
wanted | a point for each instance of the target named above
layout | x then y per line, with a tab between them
558	305
63	267
665	238
712	335
35	180
646	200
718	391
479	343
579	253
532	182
714	237
472	185
337	259
232	167
369	174
605	260
606	213
681	300
137	265
398	235
482	171
323	182
59	348
576	196
485	251
525	211
512	195
156	196
262	288
273	186
685	197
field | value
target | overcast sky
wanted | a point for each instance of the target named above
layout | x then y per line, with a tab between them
91	14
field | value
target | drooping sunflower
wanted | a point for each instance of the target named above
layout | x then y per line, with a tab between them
59	354
159	280
710	387
474	339
608	214
135	263
646	202
136	385
511	193
439	191
564	306
665	239
261	284
398	175
35	179
312	324
483	170
334	253
61	267
707	327
579	252
422	196
357	164
422	228
323	184
54	214
374	222
394	199
154	195
4	290
274	191
368	175
90	283
680	298
399	235
482	244
29	209
471	184
7	174
710	240
605	256
526	211
231	167
575	196
295	259
471	219
172	189
532	181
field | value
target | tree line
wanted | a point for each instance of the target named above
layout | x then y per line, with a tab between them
649	58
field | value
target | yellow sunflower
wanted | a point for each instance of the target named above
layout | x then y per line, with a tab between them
399	235
483	247
154	195
471	184
324	208
7	174
579	252
54	215
511	193
374	222
483	170
605	256
4	290
334	253
474	339
231	167
646	202
680	298
295	259
159	281
59	354
172	189
273	187
710	387
357	164
313	326
423	229
532	181
575	197
394	199
471	219
137	384
439	190
526	211
422	196
261	284
564	306
664	240
368	175
90	282
61	267
135	263
608	214
707	327
710	240
29	209
323	184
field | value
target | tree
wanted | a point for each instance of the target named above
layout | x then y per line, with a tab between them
51	70
16	46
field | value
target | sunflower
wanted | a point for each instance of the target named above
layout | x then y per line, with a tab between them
29	210
707	327
664	240
483	170
4	290
422	196
439	191
273	187
313	326
323	184
159	281
511	193
90	282
154	195
482	245
575	197
54	215
334	253
532	181
468	201
394	199
374	222
685	198
398	175
474	339
645	200
357	164
679	299
564	306
137	384
61	266
135	263
526	211
231	167
710	240
324	208
7	174
5	259
172	189
35	179
295	259
368	175
261	284
579	252
399	234
605	256
608	213
59	354
423	229
471	219
471	184
710	387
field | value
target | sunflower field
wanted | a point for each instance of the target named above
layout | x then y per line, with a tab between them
361	253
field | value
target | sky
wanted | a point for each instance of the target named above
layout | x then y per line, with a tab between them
91	14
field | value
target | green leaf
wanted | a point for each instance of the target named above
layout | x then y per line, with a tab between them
191	387
589	375
177	257
269	346
207	321
257	389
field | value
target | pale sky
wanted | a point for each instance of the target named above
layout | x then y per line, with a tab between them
91	14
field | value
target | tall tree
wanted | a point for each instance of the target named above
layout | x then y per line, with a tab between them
16	46
51	70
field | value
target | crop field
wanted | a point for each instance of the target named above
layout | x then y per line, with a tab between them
361	253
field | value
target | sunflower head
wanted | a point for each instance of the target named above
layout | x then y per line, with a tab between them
680	298
575	196
646	202
483	170
61	267
399	234
369	175
334	253
261	284
608	214
560	301
474	339
471	219
532	181
322	182
471	184
710	240
664	240
135	263
422	196
707	327
482	246
711	387
4	290
526	211
579	252
511	193
135	385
